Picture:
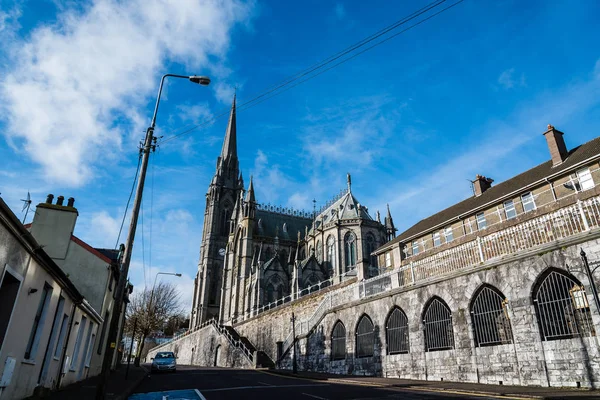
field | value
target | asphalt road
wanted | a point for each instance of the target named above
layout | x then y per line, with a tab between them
230	384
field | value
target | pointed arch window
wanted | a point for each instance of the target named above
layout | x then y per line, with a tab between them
350	250
338	341
319	251
365	337
371	247
225	219
270	293
331	253
396	331
491	324
437	320
561	306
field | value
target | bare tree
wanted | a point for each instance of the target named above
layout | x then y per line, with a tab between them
152	309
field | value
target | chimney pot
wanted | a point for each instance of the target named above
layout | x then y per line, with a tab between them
481	184
556	145
49	198
70	202
60	200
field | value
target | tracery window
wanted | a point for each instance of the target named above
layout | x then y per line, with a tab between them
562	307
225	220
365	337
396	330
437	321
331	253
350	250
491	324
338	341
319	251
371	247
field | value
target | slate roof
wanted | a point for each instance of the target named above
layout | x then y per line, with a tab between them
113	254
495	193
271	224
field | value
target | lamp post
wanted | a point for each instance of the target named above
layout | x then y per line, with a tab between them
120	292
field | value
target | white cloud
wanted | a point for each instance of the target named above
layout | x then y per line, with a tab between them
224	92
270	182
105	228
340	11
70	82
508	81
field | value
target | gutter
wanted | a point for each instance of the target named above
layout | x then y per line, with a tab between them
483	206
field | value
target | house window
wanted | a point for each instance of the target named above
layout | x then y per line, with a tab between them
388	259
562	308
38	323
528	201
509	209
415	248
438	326
437	240
338	342
365	337
449	234
8	293
585	179
78	342
396	330
481	222
490	317
61	336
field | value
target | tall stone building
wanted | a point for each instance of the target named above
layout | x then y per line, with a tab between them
254	255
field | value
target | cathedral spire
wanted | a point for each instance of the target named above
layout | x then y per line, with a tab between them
250	194
389	225
230	143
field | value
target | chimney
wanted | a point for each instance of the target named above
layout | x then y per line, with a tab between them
556	145
53	226
49	199
481	184
70	202
60	200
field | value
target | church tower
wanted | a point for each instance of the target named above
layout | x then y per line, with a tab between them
223	192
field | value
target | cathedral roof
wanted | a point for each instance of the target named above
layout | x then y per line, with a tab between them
346	207
284	226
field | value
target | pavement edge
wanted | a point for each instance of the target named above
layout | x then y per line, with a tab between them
129	390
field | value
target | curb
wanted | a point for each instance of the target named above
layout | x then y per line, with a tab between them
129	390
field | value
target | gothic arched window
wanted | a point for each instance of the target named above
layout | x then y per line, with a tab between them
225	219
319	251
490	317
365	337
338	341
371	247
396	330
437	319
350	250
270	293
562	306
331	253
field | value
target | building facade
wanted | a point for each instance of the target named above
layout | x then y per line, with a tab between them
47	328
253	257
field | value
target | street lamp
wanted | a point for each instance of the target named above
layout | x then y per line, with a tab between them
153	286
120	292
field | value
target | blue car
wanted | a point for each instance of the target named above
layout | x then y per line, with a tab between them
164	361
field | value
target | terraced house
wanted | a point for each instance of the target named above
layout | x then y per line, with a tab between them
496	289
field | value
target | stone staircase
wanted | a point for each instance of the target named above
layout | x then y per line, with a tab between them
257	357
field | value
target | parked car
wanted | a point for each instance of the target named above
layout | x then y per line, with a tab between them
164	361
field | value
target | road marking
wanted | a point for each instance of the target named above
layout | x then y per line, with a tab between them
263	383
261	387
200	394
316	397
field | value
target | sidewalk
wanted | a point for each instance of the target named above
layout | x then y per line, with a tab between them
118	388
450	387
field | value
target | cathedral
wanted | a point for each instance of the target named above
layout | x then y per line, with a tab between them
254	256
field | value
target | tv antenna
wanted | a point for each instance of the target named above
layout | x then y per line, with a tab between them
26	206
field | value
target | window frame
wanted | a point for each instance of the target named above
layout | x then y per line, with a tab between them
528	198
415	248
362	338
436	238
404	342
447	324
588	178
448	237
491	324
481	222
38	323
335	356
508	210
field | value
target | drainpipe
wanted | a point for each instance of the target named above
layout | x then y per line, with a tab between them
64	350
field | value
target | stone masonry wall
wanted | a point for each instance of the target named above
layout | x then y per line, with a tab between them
528	360
205	347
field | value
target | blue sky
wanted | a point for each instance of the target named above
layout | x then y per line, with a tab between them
467	92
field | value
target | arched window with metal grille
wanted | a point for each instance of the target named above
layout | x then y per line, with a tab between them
489	312
437	321
365	337
338	341
396	332
561	306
